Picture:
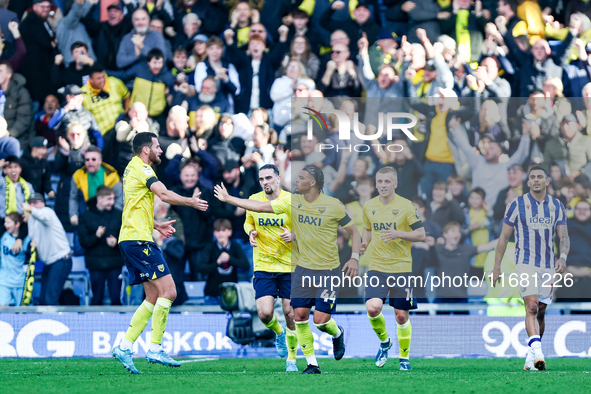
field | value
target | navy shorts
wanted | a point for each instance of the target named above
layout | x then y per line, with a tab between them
399	289
313	288
272	284
144	261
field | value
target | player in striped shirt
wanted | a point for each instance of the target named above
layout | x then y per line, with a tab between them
536	217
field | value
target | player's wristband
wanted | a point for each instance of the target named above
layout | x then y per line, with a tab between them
563	256
355	256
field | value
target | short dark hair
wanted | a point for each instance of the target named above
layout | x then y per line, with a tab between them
366	179
213	40
512	4
180	50
78	44
270	167
317	174
97	68
141	140
94	148
12	159
155	53
104	191
222	224
480	191
537	92
419	201
300	14
449	225
534	168
15	217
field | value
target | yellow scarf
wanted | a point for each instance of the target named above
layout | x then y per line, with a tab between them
11	205
94	91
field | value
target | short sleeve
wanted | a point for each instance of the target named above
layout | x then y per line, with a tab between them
511	213
341	214
412	217
366	221
561	220
146	175
282	205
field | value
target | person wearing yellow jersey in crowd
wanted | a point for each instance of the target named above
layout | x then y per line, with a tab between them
478	219
270	236
390	224
318	218
144	260
437	150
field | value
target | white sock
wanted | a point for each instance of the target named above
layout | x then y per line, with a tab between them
311	360
536	344
125	344
387	341
155	347
338	334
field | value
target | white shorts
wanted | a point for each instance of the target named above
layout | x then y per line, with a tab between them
535	281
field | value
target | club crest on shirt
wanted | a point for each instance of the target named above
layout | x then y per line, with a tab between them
299	206
161	268
395	212
322	209
373	212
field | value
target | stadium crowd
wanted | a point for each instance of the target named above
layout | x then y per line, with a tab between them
497	87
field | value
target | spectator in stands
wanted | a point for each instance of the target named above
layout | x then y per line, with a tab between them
103	97
571	146
171	142
515	189
457	187
213	14
408	168
478	220
17	58
194	221
453	259
575	75
107	36
210	96
139	42
579	255
86	181
157	26
256	71
487	172
220	260
441	210
543	123
185	37
301	50
42	119
487	121
203	122
36	169
73	73
432	228
135	121
340	77
98	232
70	30
198	53
74	112
361	22
424	15
7	16
40	42
14	191
224	72
261	151
9	146
15	104
161	10
225	145
282	91
12	275
151	82
240	22
53	248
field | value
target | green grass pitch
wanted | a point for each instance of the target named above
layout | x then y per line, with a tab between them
266	376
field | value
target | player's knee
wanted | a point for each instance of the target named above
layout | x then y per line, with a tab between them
169	294
401	317
531	308
373	309
265	315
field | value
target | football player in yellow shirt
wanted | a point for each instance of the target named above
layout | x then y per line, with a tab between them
317	218
391	223
270	236
142	257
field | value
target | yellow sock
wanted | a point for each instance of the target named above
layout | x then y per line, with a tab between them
274	325
404	332
305	338
378	324
330	328
161	310
139	321
292	343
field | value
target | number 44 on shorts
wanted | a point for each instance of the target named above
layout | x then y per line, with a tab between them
326	295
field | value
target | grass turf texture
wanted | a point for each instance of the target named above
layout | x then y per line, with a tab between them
268	376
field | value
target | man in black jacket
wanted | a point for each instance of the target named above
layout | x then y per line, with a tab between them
107	35
40	42
17	108
98	232
516	188
36	168
220	260
195	222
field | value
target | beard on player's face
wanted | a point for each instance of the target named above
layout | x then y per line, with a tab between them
154	157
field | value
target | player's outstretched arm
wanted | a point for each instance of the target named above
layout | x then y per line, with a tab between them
500	251
487	247
564	247
221	194
365	241
170	197
351	268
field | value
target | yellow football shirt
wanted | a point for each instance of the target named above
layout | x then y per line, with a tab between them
390	257
273	254
138	211
315	225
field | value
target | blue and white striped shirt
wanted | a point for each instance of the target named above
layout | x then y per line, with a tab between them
535	223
